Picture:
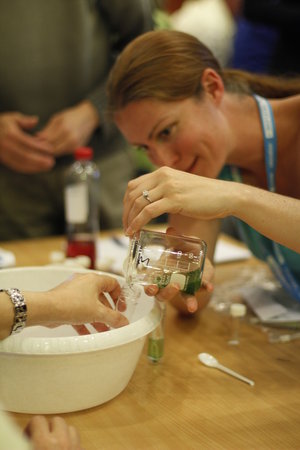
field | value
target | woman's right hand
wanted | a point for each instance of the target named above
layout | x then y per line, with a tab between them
175	192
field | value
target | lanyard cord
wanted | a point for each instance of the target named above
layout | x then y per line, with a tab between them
277	260
270	139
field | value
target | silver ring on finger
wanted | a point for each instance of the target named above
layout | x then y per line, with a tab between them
146	196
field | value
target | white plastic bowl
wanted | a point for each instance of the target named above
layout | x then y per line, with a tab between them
50	371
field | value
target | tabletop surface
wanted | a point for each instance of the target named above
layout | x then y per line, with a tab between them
181	404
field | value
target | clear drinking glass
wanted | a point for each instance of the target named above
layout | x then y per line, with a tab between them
156	258
160	259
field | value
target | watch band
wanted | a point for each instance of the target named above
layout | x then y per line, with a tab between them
20	309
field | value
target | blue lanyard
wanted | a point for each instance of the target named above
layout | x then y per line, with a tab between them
276	261
270	139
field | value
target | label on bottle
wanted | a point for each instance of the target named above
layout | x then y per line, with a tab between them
178	278
77	203
189	282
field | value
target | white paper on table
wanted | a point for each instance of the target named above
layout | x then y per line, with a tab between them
226	252
112	253
273	306
7	258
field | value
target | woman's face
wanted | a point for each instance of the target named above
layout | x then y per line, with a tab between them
189	135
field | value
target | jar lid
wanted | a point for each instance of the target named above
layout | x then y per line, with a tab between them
83	153
238	309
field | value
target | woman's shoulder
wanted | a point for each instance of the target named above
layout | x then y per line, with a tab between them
290	105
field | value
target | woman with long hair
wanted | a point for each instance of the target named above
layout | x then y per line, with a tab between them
227	142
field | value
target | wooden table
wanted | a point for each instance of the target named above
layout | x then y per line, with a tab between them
181	404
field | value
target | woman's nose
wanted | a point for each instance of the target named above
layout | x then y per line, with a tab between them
164	156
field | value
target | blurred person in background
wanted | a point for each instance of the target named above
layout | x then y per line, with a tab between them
267	36
168	5
211	22
55	57
265	41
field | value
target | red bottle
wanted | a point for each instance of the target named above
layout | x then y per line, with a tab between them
81	196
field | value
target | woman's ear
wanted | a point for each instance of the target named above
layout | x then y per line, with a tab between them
213	84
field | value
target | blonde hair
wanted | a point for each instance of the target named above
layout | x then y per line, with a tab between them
168	65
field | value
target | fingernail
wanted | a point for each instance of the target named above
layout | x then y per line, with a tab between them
208	286
151	290
192	304
129	231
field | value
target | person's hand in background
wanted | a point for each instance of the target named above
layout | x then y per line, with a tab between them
52	434
20	150
71	128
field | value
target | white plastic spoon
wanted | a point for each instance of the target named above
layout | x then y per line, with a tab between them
211	361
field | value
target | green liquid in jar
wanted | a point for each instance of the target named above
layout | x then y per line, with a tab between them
190	282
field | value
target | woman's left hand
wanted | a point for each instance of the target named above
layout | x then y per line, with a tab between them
184	303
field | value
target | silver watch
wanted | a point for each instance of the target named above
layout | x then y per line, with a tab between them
20	309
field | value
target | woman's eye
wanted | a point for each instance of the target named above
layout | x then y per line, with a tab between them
166	132
141	148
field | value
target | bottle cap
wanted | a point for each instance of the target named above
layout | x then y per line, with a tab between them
238	309
56	257
84	261
71	262
83	153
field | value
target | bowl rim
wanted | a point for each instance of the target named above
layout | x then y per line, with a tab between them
47	346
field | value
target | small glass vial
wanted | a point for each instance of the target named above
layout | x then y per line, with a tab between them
156	338
237	312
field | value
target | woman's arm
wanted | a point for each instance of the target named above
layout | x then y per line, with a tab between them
76	301
171	191
273	215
